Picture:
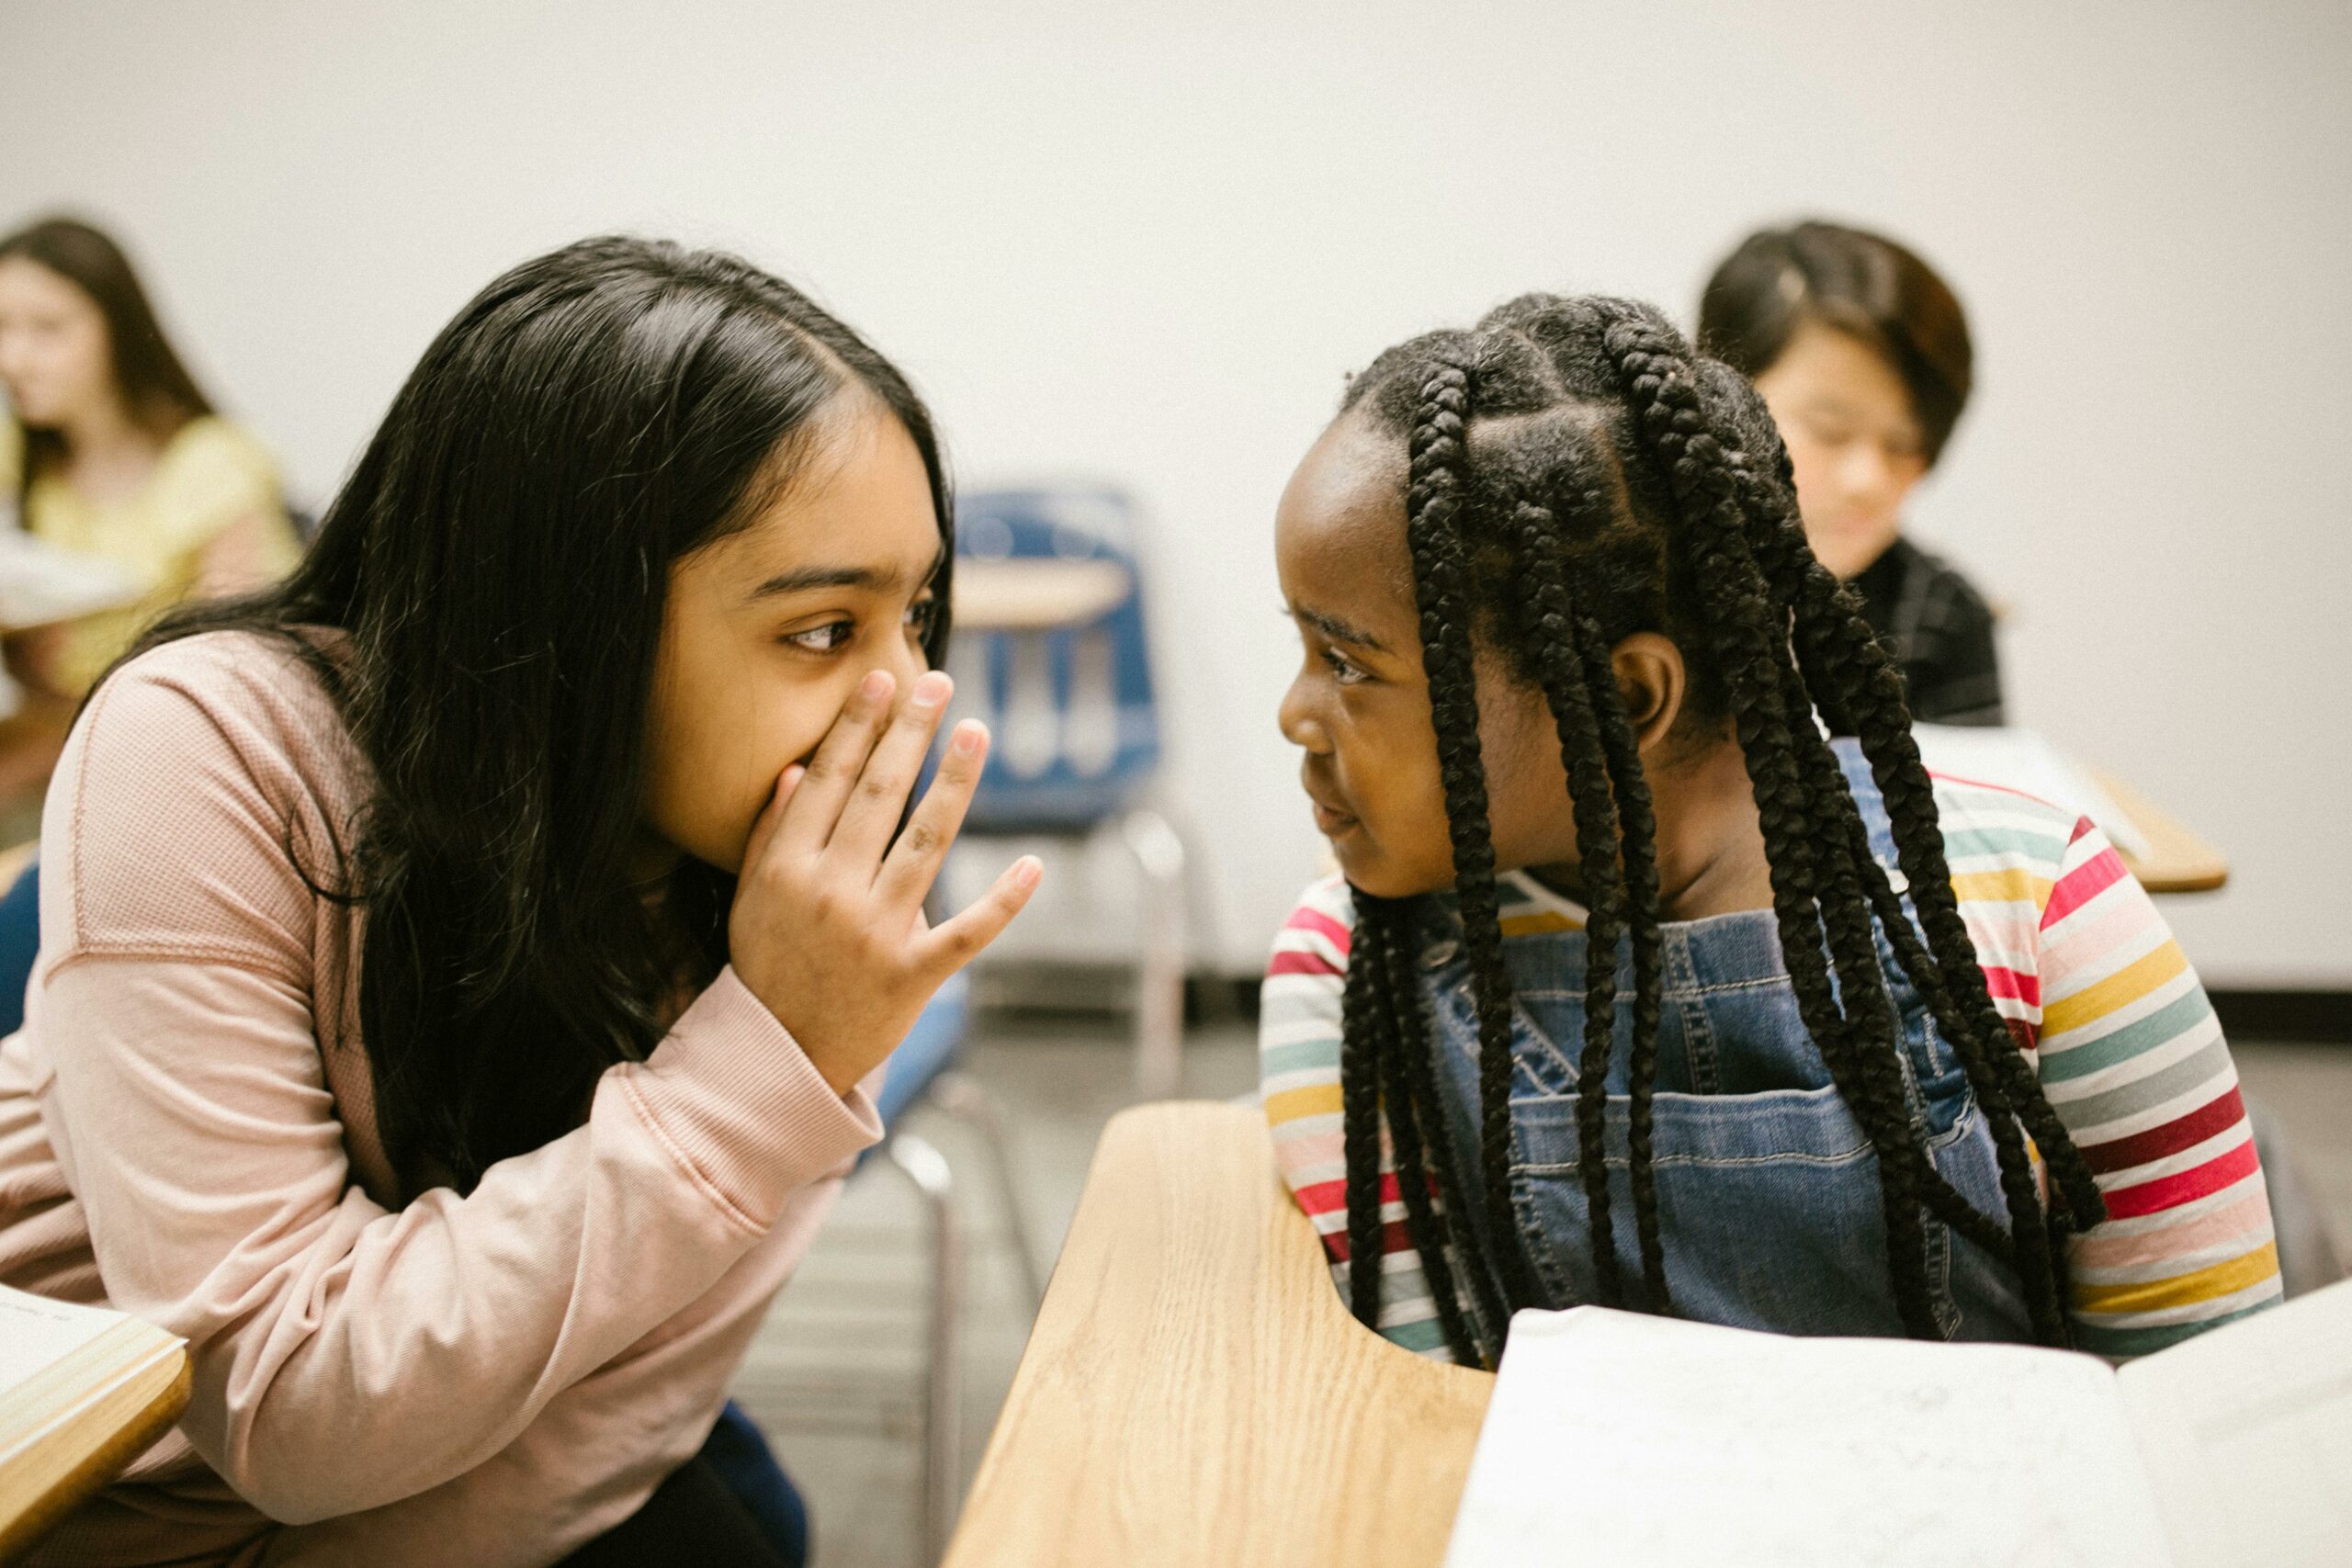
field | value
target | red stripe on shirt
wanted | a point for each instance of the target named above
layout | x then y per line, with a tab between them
1321	924
2011	982
1393	1238
2082	885
2182	1132
1291	962
1323	1197
2171	1192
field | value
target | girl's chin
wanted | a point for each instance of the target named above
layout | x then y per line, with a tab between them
1368	872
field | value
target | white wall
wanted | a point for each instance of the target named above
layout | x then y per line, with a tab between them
1150	246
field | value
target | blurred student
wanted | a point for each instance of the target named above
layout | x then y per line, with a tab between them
464	968
1861	352
110	449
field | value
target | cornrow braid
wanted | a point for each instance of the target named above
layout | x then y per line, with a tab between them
1432	497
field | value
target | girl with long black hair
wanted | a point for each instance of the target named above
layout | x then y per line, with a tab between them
460	963
1637	990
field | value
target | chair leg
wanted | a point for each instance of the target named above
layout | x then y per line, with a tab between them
1159	980
963	1098
942	1427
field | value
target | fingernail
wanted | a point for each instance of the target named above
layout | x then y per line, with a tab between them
791	777
966	740
932	690
876	686
1027	870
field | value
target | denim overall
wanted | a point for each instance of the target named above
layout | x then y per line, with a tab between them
1768	1191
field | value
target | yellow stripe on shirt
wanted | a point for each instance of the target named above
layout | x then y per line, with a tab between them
1315	1099
2010	885
2123	987
2204	1285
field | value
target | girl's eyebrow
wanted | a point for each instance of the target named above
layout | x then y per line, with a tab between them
1337	629
801	578
879	580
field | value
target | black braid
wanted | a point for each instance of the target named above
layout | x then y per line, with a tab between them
1638	826
1360	1093
1844	658
1408	1094
1557	655
1432	499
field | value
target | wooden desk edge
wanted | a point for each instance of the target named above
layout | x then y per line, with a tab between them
104	1462
1377	1392
2179	860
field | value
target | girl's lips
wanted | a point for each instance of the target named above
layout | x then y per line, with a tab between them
1330	823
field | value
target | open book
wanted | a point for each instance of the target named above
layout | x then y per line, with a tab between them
1615	1439
83	1391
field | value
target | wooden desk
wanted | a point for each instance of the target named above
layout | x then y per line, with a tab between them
1195	1392
2177	861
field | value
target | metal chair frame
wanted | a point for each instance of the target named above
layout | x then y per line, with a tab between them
928	1172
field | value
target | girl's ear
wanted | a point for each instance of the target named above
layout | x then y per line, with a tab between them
1653	682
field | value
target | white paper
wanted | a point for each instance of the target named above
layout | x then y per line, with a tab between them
2246	1433
2022	761
40	584
1615	1439
36	1333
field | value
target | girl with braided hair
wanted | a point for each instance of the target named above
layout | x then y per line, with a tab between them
1635	988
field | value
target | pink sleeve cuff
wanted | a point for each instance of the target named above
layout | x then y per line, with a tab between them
744	1108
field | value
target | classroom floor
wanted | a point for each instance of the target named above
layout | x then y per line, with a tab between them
832	1375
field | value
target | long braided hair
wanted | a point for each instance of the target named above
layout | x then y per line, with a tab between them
1624	483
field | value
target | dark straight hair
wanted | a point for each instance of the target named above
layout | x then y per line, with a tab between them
497	567
1780	280
154	386
1577	474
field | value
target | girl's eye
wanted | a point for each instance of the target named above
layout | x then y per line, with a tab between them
830	638
1343	670
921	617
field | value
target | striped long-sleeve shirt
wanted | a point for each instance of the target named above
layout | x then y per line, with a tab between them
2096	992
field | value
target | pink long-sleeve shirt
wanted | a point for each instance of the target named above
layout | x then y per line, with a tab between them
187	1134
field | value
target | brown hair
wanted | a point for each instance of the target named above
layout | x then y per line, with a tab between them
156	386
1780	280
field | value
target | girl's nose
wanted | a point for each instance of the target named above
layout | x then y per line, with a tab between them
1299	725
905	662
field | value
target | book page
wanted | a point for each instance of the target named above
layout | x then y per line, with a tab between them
1617	1439
36	1333
2246	1432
